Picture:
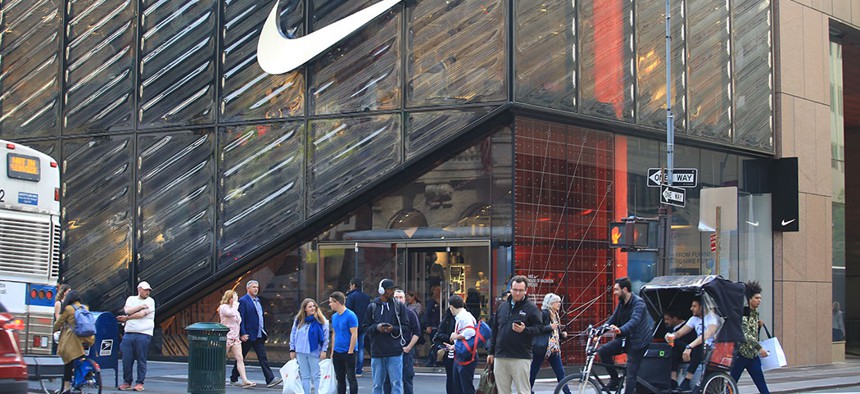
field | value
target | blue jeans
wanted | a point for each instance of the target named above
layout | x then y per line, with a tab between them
554	362
134	347
387	367
464	377
309	368
753	366
359	360
408	376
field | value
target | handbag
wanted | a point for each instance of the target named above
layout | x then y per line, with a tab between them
292	379
487	384
328	380
776	356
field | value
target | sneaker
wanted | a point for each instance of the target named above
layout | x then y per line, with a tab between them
613	385
274	382
138	387
124	387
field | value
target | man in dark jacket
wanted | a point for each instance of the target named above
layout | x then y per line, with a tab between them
516	323
357	302
632	326
386	322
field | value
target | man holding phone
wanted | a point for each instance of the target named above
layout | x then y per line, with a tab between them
385	323
516	323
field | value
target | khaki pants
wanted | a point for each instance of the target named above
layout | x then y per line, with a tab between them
512	371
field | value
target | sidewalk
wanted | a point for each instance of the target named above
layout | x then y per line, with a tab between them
172	377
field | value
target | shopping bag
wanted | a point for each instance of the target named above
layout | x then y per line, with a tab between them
775	355
292	379
328	380
487	385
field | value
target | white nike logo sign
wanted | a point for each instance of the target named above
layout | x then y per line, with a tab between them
754	224
787	222
278	54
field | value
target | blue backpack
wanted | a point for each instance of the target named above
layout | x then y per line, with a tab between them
85	323
465	350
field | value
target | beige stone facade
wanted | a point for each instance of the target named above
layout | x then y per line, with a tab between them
803	260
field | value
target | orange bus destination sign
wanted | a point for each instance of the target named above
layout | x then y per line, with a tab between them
23	167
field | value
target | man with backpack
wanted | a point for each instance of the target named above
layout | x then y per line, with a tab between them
386	324
139	324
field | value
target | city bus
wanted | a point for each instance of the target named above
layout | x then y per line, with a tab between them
29	241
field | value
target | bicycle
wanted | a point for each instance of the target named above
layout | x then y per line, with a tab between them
87	376
587	381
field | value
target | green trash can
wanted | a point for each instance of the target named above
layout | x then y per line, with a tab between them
207	358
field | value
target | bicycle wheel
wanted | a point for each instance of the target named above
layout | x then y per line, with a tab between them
587	386
719	383
92	383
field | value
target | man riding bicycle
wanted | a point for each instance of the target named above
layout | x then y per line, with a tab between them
632	325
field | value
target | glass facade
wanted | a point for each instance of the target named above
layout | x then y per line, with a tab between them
837	161
418	144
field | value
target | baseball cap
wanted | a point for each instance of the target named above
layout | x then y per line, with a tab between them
388	284
144	285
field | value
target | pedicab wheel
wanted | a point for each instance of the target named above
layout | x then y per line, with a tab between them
719	383
586	386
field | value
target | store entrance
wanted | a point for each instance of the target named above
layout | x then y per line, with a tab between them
428	270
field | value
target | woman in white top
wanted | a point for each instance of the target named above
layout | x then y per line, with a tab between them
464	329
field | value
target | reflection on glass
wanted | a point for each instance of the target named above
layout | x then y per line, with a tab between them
753	71
708	70
29	59
607	58
246	91
426	130
97	192
99	66
362	73
177	63
546	53
651	64
176	195
349	153
456	52
260	171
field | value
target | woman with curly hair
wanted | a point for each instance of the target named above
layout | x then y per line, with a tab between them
751	350
230	317
309	342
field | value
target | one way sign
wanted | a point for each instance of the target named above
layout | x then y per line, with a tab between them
681	177
673	196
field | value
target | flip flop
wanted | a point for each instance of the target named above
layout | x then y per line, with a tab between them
248	385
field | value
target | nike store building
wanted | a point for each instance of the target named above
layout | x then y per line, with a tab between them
447	145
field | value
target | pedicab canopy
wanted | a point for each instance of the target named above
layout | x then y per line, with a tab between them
718	295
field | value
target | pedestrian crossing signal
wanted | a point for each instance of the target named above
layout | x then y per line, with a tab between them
628	235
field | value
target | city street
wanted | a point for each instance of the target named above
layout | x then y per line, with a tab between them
172	377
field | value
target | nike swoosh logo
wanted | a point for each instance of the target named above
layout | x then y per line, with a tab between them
278	54
754	224
787	222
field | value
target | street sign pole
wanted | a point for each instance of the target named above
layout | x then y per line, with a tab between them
665	214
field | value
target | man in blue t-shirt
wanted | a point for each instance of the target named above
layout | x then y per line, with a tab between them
344	323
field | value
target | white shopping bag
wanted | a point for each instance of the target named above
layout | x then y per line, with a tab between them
775	356
328	381
291	377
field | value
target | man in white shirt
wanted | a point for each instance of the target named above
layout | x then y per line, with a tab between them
464	329
139	323
706	330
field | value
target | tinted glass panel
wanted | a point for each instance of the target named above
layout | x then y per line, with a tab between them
29	58
708	69
362	73
606	53
97	218
346	154
176	198
246	91
546	53
456	52
428	129
99	66
177	62
261	186
753	73
651	64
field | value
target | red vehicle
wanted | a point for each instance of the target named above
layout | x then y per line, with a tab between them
13	370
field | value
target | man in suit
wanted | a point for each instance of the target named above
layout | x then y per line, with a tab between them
252	333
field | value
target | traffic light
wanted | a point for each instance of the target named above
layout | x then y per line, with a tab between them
629	234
